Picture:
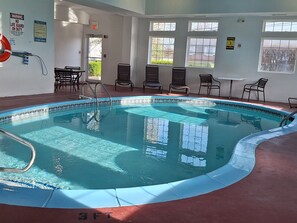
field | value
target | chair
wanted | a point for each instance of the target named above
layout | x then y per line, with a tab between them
258	86
152	77
63	77
179	80
207	80
292	102
123	76
75	76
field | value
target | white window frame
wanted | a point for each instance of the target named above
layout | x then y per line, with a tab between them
293	23
275	71
161	34
203	34
202	61
163	58
171	24
205	22
278	36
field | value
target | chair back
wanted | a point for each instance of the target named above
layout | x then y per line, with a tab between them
63	75
179	76
123	72
262	82
152	73
72	67
205	78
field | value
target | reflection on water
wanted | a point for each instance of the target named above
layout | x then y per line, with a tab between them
131	146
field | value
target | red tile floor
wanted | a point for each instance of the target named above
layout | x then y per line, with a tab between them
268	194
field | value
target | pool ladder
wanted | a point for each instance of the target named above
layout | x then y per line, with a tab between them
94	91
287	118
24	142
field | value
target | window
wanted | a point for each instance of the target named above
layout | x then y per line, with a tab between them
161	45
163	26
203	26
278	52
201	44
278	55
280	26
201	52
161	50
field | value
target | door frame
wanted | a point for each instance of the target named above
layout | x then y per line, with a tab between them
86	53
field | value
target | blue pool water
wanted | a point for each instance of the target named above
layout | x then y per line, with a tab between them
129	145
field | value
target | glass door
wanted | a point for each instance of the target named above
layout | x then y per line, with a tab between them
94	59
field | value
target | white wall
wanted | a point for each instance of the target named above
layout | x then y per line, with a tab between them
240	62
19	79
112	26
68	44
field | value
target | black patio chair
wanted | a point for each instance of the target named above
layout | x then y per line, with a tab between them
63	78
292	102
75	76
258	86
123	76
179	80
208	81
152	77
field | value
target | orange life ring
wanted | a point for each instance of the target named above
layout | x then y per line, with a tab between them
5	48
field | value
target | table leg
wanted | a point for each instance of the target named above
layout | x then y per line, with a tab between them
230	91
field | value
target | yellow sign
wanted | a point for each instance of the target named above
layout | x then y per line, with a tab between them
230	43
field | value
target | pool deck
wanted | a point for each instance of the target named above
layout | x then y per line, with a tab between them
268	194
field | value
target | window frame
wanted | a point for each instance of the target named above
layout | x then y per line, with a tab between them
206	61
278	20
160	34
276	35
208	34
203	21
261	53
158	21
151	52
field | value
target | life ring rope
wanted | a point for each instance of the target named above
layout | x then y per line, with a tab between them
6	48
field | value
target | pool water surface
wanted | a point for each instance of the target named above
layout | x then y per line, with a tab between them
138	145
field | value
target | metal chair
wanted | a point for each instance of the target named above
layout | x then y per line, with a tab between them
179	80
123	76
207	80
75	76
258	86
63	78
152	77
292	102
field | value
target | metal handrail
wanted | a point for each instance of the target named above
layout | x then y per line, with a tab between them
24	142
286	119
88	83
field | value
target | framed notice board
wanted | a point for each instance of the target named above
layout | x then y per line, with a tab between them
40	31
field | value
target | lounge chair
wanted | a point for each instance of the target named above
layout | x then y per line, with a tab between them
123	76
152	77
179	80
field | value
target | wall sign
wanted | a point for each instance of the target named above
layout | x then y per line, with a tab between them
17	24
230	43
40	31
